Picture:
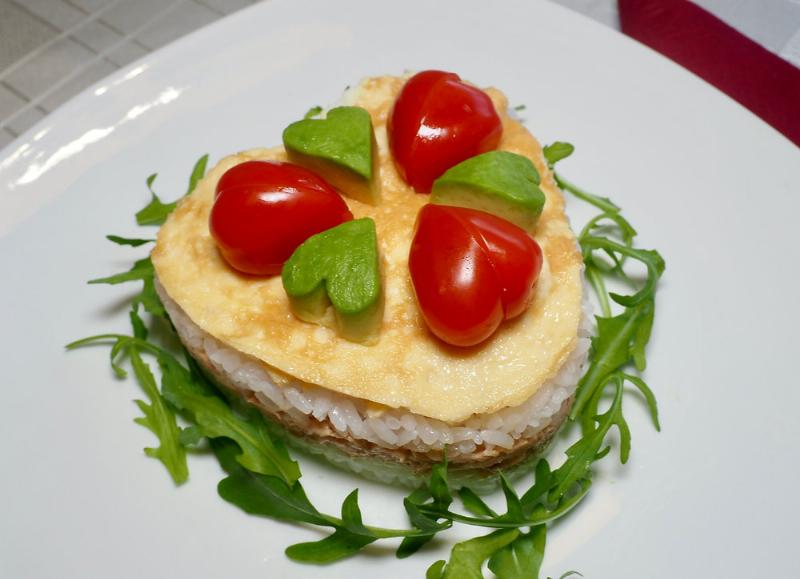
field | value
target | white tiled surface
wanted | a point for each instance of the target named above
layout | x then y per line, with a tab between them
225	6
96	35
90	6
26	118
51	49
10	102
184	18
127	16
54	63
125	53
88	75
20	33
61	15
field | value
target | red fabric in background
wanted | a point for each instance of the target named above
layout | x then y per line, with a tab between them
758	79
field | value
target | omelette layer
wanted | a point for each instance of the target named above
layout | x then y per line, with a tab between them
408	368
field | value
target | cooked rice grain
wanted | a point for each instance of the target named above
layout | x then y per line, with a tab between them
392	428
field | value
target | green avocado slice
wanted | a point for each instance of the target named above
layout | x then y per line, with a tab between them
498	182
341	148
339	267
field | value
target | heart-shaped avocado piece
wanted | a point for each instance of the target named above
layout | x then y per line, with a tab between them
339	267
498	182
341	148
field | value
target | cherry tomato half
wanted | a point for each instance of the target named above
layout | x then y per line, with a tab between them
437	122
265	209
471	270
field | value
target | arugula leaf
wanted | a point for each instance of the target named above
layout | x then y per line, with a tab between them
611	349
128	241
522	558
439	488
262	478
191	436
603	203
312	112
642	335
426	523
348	538
474	504
149	299
156	212
142	269
626	231
543	481
259	494
584	452
536	510
272	497
198	172
190	394
139	328
351	515
261	453
336	546
513	504
557	151
649	397
467	557
650	258
160	420
436	570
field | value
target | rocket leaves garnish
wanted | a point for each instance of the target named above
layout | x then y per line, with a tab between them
522	558
142	269
155	213
161	421
128	241
467	557
262	478
554	152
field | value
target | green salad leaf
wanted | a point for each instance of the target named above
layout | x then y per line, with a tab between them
142	270
312	112
436	570
190	392
259	494
156	212
557	151
160	420
128	241
189	412
467	557
522	558
474	504
158	415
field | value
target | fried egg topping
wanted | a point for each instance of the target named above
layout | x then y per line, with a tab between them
408	367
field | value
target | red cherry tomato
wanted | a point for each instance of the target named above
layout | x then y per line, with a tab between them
437	122
470	270
265	209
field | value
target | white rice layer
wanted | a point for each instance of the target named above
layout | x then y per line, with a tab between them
391	428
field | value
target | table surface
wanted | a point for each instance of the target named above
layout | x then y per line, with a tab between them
50	50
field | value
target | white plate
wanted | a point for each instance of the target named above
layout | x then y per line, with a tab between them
705	182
